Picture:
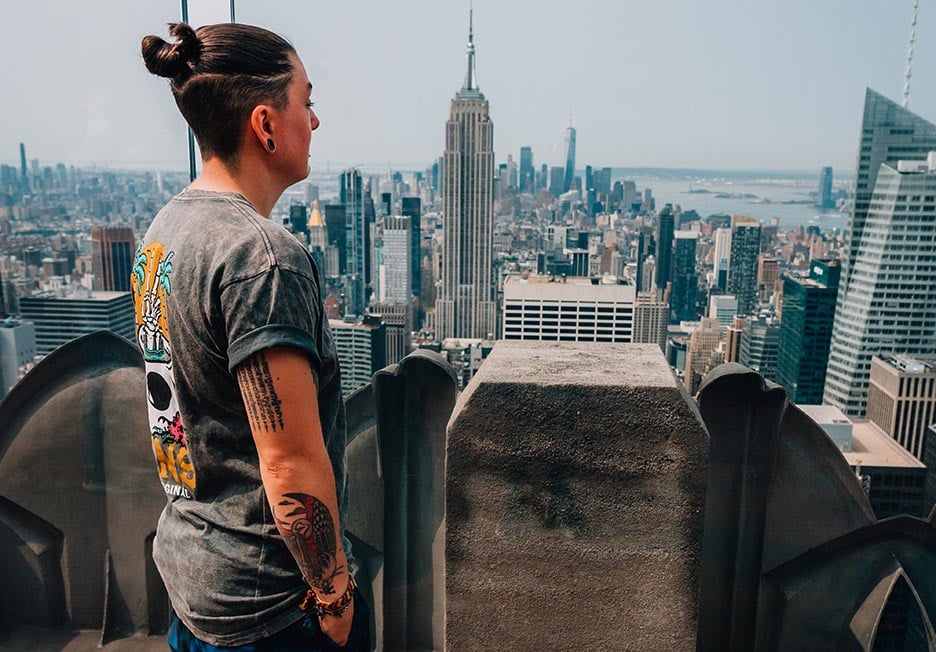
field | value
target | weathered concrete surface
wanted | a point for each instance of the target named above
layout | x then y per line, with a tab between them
79	499
414	401
575	495
793	557
396	469
28	638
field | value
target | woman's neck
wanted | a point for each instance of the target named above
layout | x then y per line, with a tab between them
254	182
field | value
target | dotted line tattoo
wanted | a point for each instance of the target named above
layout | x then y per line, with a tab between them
264	408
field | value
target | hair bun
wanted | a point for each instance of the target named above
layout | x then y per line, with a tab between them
172	60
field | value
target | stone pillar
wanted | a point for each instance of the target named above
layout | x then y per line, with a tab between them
575	495
396	469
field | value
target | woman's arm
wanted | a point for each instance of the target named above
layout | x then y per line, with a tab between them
280	396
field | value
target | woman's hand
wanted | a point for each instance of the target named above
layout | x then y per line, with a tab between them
338	628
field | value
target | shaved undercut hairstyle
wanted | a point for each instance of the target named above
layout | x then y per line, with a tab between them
218	74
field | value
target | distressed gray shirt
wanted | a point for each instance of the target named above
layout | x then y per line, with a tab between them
213	283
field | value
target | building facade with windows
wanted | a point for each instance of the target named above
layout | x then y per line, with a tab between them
362	349
573	309
651	318
466	306
61	317
902	398
112	257
806	331
684	279
17	350
760	344
742	266
889	302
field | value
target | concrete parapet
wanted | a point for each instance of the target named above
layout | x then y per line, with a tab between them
396	469
793	556
575	494
78	502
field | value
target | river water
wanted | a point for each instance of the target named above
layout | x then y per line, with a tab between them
790	200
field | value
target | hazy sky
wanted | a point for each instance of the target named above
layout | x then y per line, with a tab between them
726	84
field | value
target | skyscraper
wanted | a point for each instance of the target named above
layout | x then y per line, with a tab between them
398	322
318	239
806	331
466	307
742	266
361	344
357	240
570	159
702	343
760	343
630	195
526	169
723	307
684	278
603	181
412	208
889	133
23	178
733	340
824	199
666	223
511	180
336	225
889	300
299	222
556	180
396	275
112	257
650	319
645	249
768	275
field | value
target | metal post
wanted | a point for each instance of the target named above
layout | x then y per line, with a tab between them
191	136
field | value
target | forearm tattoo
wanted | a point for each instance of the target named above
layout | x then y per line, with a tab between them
309	532
264	408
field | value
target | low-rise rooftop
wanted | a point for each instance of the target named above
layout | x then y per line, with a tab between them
871	446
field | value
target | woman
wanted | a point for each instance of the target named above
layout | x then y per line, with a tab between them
244	392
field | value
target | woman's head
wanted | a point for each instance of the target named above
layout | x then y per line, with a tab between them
220	74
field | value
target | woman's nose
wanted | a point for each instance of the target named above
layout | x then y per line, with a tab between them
315	121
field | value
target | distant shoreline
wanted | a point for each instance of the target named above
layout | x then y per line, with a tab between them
335	167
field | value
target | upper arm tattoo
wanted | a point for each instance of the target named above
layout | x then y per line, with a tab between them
264	408
309	533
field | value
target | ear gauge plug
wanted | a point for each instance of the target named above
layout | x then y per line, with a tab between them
271	144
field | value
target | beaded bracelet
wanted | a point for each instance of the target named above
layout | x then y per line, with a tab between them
335	607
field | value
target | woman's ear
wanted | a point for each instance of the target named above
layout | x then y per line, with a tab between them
261	126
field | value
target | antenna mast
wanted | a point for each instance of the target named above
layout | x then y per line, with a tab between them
913	24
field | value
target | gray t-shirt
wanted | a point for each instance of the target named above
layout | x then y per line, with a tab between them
213	283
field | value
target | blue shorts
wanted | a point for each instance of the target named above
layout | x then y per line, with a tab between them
305	635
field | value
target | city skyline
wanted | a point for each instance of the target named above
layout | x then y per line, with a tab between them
733	88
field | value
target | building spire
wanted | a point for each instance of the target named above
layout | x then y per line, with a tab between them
913	24
471	75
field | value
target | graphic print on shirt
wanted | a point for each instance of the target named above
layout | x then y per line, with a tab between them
151	287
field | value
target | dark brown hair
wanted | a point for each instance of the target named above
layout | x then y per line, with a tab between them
219	74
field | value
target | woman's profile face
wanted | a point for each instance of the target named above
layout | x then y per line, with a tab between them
299	121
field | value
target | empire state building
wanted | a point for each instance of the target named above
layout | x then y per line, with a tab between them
466	307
